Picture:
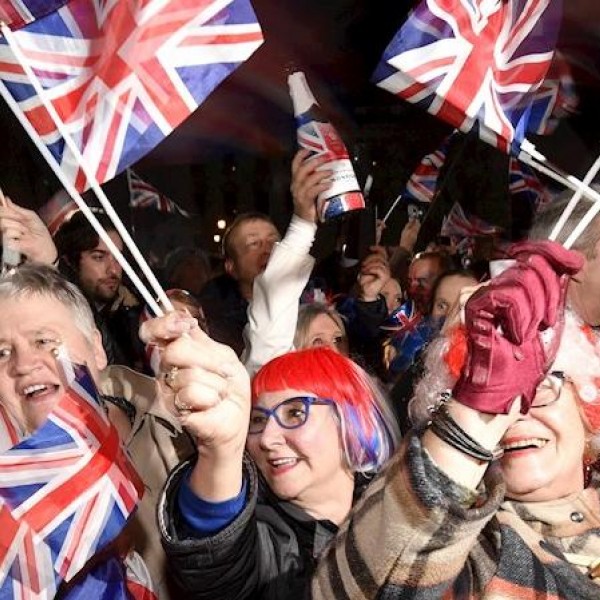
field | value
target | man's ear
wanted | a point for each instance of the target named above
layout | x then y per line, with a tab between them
99	352
230	268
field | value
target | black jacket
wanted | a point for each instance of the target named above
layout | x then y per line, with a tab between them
225	310
269	552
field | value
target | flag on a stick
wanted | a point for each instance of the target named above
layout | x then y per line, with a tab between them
424	180
123	75
458	223
144	195
66	492
524	185
555	99
473	62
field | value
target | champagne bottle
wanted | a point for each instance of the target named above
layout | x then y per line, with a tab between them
319	136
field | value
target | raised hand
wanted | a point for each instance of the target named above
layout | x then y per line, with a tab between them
25	232
204	382
307	183
374	274
506	355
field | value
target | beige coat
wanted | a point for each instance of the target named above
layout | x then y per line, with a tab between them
157	443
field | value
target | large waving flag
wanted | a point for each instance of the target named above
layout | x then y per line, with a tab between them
16	13
122	75
66	492
472	62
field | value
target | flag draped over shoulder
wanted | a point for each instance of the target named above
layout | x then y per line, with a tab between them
66	492
144	195
16	13
473	61
122	75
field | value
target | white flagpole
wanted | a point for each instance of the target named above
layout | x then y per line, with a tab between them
70	188
587	180
151	278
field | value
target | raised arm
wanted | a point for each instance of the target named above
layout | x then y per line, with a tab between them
27	233
273	311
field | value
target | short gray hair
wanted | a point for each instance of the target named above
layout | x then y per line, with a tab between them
40	280
547	218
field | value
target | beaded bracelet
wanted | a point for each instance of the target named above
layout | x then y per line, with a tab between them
448	430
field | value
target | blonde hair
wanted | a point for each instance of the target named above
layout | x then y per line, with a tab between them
307	313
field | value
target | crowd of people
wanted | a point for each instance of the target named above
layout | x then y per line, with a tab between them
425	431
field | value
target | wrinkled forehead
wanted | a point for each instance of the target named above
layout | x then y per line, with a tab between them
254	228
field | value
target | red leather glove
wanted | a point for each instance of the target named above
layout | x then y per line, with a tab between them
506	357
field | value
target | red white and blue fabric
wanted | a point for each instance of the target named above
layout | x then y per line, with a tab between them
57	210
409	331
555	99
123	75
525	186
457	223
472	61
422	184
144	195
66	492
17	13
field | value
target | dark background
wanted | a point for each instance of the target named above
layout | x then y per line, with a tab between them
233	154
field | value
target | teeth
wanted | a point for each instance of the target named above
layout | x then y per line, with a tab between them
278	462
38	387
536	442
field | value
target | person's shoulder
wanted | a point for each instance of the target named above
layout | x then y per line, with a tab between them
122	381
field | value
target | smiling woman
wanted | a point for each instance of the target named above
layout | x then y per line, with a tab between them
317	430
487	497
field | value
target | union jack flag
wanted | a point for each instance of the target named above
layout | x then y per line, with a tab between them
16	13
65	493
322	139
57	210
457	223
144	195
524	185
468	61
123	75
555	99
423	182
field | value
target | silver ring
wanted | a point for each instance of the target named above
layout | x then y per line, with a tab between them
170	377
181	407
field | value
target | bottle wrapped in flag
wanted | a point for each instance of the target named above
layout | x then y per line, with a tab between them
66	493
317	134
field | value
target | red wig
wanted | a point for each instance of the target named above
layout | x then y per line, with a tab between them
368	429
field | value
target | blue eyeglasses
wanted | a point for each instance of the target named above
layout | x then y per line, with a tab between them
289	414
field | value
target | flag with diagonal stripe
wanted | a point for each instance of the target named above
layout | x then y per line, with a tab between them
66	493
122	75
17	13
473	63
